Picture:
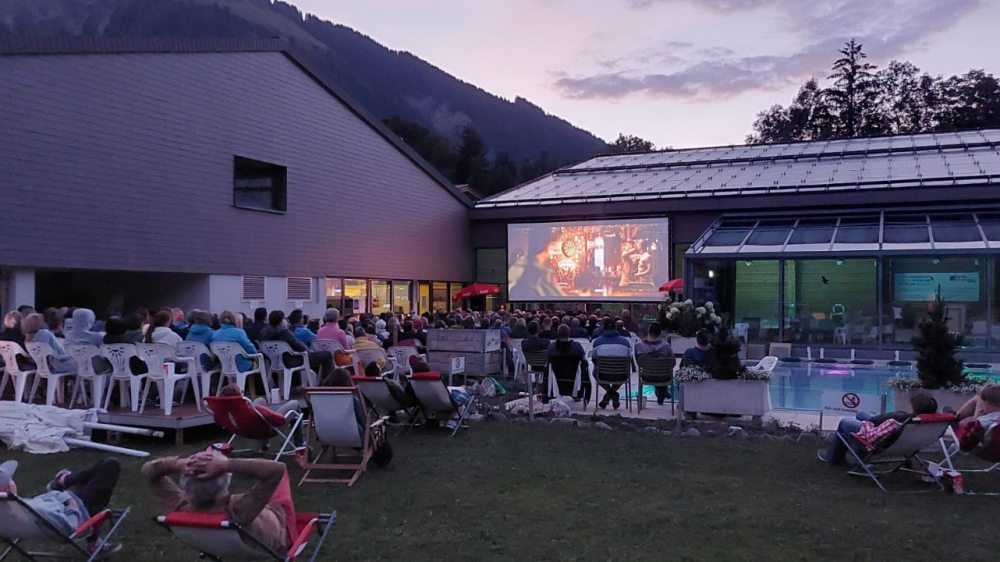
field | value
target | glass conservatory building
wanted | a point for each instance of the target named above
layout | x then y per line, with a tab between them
855	279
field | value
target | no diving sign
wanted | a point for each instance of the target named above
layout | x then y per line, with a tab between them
841	402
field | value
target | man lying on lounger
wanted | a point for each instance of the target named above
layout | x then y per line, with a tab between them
265	511
836	454
72	498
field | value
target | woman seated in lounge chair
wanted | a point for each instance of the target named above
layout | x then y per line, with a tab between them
340	378
836	453
261	404
459	395
978	416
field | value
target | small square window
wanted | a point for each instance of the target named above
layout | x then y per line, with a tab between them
258	185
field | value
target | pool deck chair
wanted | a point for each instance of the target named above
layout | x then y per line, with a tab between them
914	436
238	415
986	447
335	426
434	396
217	538
22	527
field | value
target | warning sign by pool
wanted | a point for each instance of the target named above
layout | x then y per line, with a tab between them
841	402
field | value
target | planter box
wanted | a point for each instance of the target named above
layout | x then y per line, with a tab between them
901	398
680	345
468	341
734	397
476	364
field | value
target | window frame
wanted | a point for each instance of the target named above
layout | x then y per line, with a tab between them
279	176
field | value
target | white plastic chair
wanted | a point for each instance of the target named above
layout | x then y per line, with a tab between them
767	364
333	346
227	352
157	356
275	352
121	372
204	375
741	330
84	354
40	353
367	356
401	357
9	351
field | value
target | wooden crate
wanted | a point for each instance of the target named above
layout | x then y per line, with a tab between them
468	341
476	364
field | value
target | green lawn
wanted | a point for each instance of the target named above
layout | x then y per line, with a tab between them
531	492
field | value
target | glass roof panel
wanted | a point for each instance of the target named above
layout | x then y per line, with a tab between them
727	238
768	237
909	234
812	235
857	235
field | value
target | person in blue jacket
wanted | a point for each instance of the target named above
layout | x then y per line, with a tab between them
229	332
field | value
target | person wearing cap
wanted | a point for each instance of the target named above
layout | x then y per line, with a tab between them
72	496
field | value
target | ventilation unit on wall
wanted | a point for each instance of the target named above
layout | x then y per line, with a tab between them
299	289
253	287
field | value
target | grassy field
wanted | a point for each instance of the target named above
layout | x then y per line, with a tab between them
529	492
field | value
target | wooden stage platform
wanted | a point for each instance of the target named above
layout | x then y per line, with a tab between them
181	417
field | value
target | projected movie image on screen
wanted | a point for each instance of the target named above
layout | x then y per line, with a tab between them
625	260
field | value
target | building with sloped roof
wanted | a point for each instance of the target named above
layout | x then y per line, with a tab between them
826	243
215	174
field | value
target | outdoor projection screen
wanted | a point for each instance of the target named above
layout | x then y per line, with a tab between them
592	260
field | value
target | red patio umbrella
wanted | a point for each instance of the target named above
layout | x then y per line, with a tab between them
475	290
672	286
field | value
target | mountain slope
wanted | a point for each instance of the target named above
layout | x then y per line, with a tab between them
386	82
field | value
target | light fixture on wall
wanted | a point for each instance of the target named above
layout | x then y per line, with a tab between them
935	261
840	262
749	263
711	274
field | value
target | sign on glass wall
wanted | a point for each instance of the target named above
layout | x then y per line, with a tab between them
955	287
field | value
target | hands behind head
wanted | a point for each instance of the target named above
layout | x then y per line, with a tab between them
203	465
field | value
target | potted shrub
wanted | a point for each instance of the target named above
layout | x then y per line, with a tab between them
724	385
682	320
939	372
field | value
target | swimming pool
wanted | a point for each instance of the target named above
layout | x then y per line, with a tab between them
800	386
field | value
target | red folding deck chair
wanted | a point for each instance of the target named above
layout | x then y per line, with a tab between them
917	434
217	538
238	415
434	396
20	523
977	441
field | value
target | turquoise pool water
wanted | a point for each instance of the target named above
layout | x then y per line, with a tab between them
799	386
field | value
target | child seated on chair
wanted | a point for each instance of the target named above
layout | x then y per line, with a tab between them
266	510
72	498
978	416
282	410
836	454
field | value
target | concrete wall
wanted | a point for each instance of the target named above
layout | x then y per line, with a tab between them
125	162
226	293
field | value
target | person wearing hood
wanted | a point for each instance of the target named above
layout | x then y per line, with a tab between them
200	330
159	330
72	497
34	330
80	331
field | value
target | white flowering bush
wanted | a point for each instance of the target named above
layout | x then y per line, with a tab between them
901	382
691	374
685	319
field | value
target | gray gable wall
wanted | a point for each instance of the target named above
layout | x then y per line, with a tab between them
124	162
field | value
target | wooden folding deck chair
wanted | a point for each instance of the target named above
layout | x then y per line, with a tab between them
238	415
435	397
20	524
917	434
217	538
335	426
